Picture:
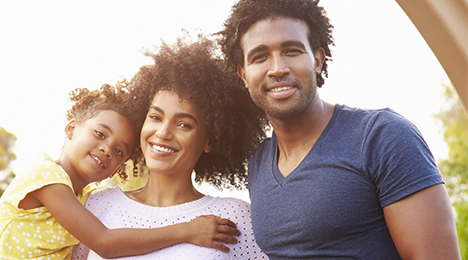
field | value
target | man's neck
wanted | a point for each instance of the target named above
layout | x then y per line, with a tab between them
298	135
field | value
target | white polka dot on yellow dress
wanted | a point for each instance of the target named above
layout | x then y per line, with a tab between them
34	233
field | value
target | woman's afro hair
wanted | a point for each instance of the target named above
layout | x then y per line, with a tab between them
234	125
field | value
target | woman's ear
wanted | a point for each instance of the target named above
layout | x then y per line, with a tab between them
207	148
70	128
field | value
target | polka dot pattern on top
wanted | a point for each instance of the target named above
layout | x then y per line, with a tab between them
116	210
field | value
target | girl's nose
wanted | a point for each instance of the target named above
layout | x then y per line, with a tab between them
105	150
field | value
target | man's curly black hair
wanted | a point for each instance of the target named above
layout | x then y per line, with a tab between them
89	103
245	13
234	125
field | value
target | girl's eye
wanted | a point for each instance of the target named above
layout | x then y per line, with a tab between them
100	134
119	152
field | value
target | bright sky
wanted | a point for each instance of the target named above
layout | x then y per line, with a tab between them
49	48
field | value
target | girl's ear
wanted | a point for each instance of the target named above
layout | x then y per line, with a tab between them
69	128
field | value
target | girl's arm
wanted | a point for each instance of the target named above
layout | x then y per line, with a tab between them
60	200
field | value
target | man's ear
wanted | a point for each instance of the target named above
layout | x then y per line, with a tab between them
319	59
241	73
70	128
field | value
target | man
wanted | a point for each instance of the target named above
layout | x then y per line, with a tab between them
333	182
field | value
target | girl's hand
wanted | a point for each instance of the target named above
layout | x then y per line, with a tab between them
212	231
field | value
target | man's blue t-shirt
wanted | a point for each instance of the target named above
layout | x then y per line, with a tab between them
330	206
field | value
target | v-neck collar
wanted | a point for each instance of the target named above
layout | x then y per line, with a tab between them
276	172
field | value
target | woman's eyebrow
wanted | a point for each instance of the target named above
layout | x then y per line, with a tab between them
179	115
157	109
186	115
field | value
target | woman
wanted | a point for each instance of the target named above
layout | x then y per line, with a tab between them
198	119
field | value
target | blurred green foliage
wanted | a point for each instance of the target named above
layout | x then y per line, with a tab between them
455	166
7	141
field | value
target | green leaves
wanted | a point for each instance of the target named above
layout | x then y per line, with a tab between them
455	167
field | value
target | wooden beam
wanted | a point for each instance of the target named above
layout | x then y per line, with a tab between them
444	26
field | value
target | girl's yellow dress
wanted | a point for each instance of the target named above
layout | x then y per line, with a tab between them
34	233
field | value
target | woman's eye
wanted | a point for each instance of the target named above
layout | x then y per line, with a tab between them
155	117
100	134
185	126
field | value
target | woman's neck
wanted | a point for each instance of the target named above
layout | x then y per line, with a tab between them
164	191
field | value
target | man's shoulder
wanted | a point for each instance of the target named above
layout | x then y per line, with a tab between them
371	117
366	112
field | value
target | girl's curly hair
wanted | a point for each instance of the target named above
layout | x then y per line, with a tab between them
234	125
88	103
245	13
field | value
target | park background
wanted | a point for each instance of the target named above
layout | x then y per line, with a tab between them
49	48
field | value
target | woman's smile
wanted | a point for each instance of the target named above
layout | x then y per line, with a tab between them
173	135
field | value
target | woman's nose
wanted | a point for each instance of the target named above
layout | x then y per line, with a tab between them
164	131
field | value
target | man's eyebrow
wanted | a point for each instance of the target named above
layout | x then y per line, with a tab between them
259	48
293	44
284	44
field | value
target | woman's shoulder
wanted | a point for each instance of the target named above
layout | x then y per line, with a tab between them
103	194
231	201
229	205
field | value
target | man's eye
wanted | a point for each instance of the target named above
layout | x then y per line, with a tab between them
293	51
259	58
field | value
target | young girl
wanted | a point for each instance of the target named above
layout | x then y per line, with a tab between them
41	215
197	119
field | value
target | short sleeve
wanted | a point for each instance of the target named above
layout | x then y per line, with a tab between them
44	171
398	159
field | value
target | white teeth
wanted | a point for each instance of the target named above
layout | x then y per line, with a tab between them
280	89
97	160
163	149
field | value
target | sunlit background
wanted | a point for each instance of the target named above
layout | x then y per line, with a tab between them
49	48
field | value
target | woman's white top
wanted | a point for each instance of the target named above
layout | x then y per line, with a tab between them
116	210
